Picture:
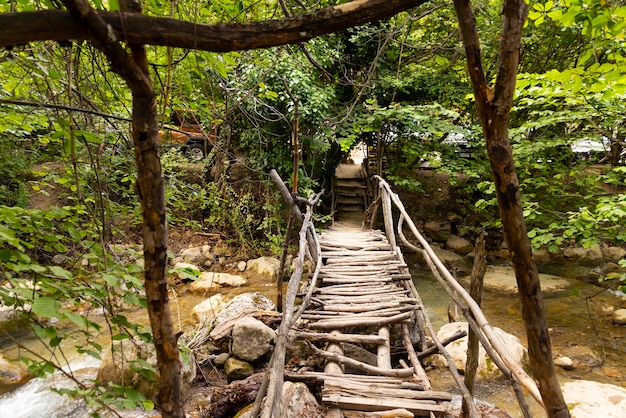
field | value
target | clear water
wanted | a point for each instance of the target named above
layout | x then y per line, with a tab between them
580	328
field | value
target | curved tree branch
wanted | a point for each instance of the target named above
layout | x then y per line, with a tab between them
58	25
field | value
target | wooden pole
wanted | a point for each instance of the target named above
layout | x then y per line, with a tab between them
481	321
476	290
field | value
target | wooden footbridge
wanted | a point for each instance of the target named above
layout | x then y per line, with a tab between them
361	295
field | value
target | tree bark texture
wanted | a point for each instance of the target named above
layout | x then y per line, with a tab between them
494	108
151	190
58	25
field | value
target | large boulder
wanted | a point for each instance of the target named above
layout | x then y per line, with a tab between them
612	253
586	399
119	367
209	280
592	257
12	374
264	266
502	279
451	260
458	350
244	302
186	271
192	255
459	245
207	310
251	338
438	230
619	317
574	253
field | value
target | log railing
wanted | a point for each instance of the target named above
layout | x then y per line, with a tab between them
309	247
490	341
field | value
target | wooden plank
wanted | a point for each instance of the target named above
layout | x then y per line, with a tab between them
382	391
355	260
368	404
382	313
351	253
360	321
333	367
319	376
336	358
355	246
398	294
336	337
367	307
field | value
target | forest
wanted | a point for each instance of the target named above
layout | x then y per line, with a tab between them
123	120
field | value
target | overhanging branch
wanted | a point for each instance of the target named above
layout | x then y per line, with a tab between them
58	25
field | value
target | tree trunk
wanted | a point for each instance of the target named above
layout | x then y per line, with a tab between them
151	191
493	105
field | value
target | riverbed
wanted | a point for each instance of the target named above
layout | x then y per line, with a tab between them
579	318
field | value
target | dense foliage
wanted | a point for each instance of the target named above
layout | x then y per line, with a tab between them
66	178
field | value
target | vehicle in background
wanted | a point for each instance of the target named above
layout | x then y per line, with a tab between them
188	135
458	142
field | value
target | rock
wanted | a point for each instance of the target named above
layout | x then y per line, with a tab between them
264	266
10	317
298	402
438	230
117	367
565	363
241	266
220	359
502	254
307	267
586	399
459	245
244	301
209	279
612	267
206	252
574	253
12	374
619	317
193	255
208	310
451	260
59	259
187	271
502	278
592	257
205	286
458	350
607	309
251	339
237	369
542	255
612	253
360	354
484	409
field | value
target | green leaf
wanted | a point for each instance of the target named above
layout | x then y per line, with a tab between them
46	307
77	319
147	404
60	272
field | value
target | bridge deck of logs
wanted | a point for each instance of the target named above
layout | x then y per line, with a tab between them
361	313
364	298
